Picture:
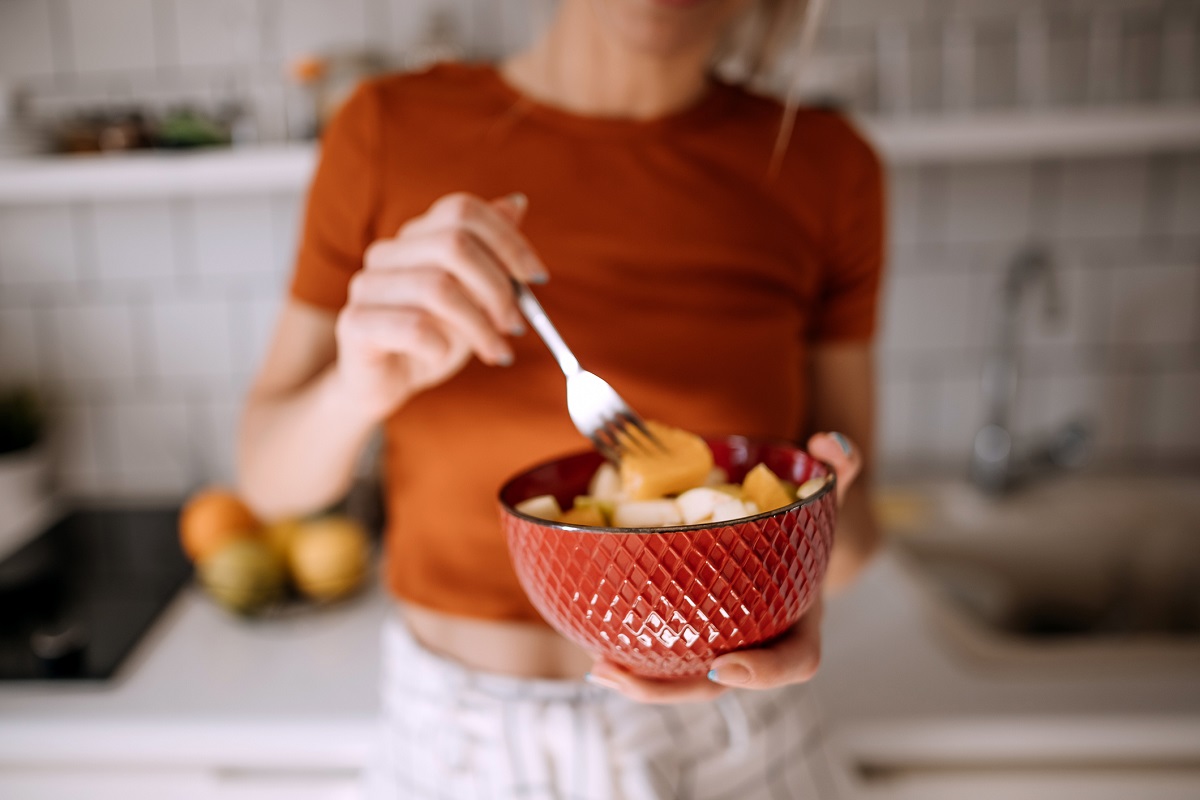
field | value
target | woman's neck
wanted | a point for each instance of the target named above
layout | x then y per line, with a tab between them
580	67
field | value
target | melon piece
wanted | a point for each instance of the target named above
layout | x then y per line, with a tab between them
696	505
733	490
677	462
716	477
765	489
588	516
647	514
811	487
544	506
606	484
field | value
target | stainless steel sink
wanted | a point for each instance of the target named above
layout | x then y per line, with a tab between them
1067	569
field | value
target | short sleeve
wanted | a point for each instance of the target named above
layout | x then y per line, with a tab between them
847	306
343	203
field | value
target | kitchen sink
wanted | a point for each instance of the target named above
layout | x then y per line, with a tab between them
1069	569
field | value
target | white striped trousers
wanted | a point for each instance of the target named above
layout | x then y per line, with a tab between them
451	733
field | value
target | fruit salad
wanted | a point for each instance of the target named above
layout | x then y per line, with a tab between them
675	483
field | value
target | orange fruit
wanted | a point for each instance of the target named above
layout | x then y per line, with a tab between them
212	519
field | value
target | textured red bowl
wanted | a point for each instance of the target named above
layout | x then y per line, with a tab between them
664	602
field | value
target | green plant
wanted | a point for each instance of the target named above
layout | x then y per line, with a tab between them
21	420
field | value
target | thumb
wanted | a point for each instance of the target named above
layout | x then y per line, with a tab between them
837	451
512	206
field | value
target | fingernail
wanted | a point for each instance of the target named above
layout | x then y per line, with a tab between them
538	278
596	680
519	201
517	328
730	674
504	360
843	443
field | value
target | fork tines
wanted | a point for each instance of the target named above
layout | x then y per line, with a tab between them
623	433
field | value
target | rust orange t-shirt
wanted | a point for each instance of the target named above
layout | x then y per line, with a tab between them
680	272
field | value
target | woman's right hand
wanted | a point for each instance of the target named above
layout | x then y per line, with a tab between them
433	296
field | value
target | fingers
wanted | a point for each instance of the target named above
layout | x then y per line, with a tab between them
793	658
644	690
493	224
437	293
837	451
462	256
387	331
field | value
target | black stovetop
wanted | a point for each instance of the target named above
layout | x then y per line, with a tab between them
75	600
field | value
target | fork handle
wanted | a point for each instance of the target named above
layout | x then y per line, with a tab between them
541	323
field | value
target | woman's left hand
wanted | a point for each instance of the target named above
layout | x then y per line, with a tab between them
791	658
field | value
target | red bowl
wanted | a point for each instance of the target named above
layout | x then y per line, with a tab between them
664	602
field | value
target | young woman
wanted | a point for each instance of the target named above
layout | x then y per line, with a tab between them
713	255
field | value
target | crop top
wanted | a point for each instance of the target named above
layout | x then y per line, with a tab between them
683	271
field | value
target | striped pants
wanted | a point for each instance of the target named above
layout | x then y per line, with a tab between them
452	733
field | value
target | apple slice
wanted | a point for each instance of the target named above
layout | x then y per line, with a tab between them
544	506
766	490
646	514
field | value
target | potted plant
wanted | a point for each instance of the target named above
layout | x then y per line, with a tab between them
24	462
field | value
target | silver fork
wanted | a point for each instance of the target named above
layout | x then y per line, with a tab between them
597	410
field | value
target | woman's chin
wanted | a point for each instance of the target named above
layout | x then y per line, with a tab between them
667	28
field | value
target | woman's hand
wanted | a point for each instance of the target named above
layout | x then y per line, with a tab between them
792	658
433	296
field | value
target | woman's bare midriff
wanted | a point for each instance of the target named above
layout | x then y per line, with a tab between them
518	649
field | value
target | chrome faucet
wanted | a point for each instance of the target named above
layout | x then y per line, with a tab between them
998	463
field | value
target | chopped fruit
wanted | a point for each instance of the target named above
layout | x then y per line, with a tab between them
606	484
765	489
716	477
605	507
811	487
696	505
729	509
647	514
734	490
543	506
589	516
678	461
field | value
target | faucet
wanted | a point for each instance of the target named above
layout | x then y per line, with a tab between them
997	464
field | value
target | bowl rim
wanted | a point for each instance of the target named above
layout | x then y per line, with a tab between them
830	486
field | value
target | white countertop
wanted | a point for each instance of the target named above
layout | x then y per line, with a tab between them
207	688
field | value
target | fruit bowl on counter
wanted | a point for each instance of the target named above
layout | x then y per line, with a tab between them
256	569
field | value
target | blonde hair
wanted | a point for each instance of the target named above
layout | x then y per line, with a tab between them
768	49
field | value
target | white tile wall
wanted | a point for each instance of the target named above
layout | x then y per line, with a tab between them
215	33
19	357
988	203
233	236
25	39
133	240
37	246
144	322
1103	198
93	343
191	342
153	452
112	35
1155	305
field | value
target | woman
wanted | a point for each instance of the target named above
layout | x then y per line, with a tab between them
711	255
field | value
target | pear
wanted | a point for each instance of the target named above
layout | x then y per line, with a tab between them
647	514
765	489
544	506
729	509
696	505
811	487
606	484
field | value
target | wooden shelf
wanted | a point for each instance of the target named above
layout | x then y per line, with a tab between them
287	167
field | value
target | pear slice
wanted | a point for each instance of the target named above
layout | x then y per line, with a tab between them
606	484
716	477
588	516
696	505
544	506
647	514
729	509
811	487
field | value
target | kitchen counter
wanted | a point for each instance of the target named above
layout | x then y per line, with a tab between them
206	688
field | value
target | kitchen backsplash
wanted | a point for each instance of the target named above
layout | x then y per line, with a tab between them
142	321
